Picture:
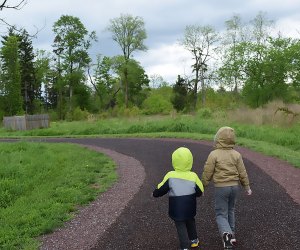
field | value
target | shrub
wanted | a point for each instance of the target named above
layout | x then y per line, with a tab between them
178	127
205	113
157	104
77	115
53	115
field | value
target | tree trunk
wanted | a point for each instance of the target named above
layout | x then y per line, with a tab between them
195	90
203	99
126	85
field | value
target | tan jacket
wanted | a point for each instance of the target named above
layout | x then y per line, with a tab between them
225	165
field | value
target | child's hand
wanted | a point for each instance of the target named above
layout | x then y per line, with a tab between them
249	192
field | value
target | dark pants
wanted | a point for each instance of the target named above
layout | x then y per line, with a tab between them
186	232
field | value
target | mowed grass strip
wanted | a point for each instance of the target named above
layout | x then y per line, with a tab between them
41	184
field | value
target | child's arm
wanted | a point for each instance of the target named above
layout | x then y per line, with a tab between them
158	192
209	169
198	191
199	187
243	173
162	188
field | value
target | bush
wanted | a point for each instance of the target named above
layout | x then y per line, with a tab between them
179	127
130	112
157	104
53	115
205	113
77	115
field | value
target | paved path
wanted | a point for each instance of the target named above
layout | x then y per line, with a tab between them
269	219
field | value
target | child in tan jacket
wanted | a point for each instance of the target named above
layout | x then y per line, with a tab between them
225	167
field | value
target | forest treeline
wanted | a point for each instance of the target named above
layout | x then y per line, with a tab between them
246	63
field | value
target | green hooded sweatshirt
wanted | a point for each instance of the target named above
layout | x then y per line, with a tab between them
182	185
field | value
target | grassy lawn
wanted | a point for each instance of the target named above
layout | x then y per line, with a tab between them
42	184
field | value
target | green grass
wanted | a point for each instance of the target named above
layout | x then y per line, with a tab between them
282	142
42	184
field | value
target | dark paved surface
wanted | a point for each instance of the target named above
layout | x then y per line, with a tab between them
269	219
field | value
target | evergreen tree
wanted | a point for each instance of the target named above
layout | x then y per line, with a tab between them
11	78
26	57
31	91
180	94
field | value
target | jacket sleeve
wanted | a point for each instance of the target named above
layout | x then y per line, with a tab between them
199	187
209	169
242	173
162	188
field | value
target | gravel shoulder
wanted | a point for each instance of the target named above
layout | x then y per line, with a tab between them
83	231
91	222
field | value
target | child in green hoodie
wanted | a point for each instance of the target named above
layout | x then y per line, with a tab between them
183	187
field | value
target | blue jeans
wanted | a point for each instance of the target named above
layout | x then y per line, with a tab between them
225	199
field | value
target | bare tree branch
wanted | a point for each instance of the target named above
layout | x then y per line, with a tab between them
34	35
17	6
5	5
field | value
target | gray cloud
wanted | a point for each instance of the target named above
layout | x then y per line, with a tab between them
164	21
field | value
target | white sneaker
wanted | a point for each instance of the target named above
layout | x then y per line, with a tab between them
233	241
227	237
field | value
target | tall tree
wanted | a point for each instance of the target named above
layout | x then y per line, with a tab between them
180	94
137	79
71	44
138	83
129	32
233	55
11	78
103	80
294	74
269	77
30	89
199	40
257	66
260	28
44	78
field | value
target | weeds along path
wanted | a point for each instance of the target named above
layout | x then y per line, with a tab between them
269	219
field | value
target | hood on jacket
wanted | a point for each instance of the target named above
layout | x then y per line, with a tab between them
225	138
182	159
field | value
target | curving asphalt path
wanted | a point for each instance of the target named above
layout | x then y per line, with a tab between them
269	219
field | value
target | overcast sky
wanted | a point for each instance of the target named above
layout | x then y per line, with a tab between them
165	21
